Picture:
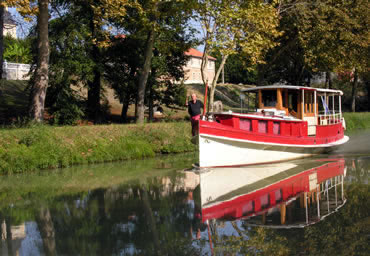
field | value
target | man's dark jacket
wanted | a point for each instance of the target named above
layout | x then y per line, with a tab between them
194	108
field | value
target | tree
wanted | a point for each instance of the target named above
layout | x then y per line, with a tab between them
38	93
70	67
127	53
81	52
286	63
236	70
236	27
121	67
27	9
336	34
151	18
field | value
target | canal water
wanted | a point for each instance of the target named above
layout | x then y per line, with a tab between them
315	206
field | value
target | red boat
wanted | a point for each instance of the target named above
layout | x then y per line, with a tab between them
286	122
277	195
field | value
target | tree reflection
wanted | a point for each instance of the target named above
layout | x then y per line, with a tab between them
46	228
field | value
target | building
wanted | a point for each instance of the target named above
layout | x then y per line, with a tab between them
192	69
10	26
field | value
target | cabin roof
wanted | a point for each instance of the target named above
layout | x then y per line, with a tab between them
294	87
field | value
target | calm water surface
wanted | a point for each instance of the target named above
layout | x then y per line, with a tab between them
316	206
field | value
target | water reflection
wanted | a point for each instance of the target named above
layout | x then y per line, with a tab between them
292	194
158	209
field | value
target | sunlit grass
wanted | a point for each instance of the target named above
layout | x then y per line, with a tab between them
356	121
43	147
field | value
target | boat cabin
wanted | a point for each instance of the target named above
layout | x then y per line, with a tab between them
316	106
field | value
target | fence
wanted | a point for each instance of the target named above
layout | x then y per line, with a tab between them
329	118
16	71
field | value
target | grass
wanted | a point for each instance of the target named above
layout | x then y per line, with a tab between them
43	147
356	121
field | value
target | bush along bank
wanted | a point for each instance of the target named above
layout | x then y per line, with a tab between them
42	147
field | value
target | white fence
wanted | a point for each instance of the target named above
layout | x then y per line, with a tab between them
16	71
330	118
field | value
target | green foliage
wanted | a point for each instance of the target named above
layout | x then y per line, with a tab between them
17	50
335	34
237	69
180	95
70	69
286	62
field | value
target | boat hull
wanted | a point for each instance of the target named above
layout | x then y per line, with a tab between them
218	151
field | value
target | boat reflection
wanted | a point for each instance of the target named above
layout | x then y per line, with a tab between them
286	195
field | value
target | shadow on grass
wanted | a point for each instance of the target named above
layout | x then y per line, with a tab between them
14	97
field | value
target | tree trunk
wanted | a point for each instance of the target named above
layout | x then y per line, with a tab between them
152	226
93	96
150	103
328	80
214	82
354	91
1	41
42	68
203	65
125	106
9	236
144	77
47	232
367	84
94	86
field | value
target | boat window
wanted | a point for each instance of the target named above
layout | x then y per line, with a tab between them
293	100
251	101
309	102
269	98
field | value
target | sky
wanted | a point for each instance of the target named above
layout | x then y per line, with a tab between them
23	26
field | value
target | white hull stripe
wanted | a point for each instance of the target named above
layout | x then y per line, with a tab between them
333	144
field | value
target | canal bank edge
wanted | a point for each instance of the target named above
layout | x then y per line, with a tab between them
45	147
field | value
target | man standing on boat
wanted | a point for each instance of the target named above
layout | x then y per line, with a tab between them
194	108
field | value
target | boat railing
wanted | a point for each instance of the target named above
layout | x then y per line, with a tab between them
326	118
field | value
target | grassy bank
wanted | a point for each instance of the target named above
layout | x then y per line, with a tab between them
44	147
355	121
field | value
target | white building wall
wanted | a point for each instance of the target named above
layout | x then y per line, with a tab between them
193	71
16	71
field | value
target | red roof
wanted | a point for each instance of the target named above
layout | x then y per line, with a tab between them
119	36
195	53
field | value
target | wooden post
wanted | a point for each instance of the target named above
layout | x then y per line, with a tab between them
205	100
282	213
260	105
279	99
264	218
